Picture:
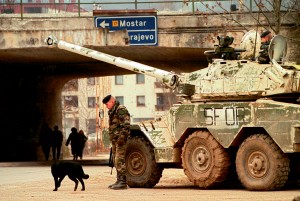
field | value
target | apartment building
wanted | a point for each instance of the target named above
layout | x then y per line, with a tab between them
144	96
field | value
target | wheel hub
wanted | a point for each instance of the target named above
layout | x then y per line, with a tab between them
201	159
136	164
258	164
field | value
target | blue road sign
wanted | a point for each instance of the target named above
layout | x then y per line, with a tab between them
142	30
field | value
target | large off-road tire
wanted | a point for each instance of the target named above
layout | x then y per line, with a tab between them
261	165
205	162
142	170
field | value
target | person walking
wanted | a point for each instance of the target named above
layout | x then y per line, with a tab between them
45	139
119	130
56	143
83	140
74	139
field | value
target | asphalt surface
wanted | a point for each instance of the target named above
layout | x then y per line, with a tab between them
101	159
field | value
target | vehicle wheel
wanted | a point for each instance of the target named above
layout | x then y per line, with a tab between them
142	170
205	161
260	164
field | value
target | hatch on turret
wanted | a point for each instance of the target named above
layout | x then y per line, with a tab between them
278	49
250	42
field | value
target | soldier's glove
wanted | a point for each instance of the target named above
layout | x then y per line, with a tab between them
121	140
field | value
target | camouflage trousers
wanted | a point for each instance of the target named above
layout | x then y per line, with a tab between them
119	157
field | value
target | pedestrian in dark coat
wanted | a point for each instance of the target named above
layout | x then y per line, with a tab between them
83	139
45	139
56	143
74	138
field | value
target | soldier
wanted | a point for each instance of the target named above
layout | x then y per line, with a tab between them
263	57
119	130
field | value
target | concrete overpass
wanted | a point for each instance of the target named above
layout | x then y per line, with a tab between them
32	75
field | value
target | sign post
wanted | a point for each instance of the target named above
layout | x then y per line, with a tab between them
142	30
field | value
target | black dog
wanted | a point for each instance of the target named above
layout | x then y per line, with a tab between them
60	169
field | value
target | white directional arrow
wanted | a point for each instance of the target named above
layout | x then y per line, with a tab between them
103	24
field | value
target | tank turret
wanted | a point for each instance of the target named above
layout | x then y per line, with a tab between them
227	77
247	79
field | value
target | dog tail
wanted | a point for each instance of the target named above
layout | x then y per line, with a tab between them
85	176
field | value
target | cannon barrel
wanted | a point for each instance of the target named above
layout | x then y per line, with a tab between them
171	80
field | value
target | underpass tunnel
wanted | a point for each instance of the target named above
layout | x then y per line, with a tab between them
31	89
28	99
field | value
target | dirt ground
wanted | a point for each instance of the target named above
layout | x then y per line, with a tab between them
36	184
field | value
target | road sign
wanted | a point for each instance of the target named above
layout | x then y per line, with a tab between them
142	30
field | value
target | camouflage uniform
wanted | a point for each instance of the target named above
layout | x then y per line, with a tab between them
263	57
119	130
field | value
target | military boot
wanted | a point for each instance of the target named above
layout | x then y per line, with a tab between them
118	181
122	184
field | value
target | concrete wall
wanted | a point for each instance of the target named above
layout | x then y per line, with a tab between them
31	33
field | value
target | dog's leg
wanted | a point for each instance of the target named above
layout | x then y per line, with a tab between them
82	183
76	182
60	180
55	183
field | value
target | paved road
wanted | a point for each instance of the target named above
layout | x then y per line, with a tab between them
36	183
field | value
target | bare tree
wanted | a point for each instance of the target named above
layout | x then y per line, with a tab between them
270	14
282	11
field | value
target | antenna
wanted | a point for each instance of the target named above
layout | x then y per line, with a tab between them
254	50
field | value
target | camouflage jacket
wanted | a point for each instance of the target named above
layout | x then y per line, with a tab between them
263	56
119	121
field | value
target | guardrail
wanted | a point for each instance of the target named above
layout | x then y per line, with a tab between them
83	8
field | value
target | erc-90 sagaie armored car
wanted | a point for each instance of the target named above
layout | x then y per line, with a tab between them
233	116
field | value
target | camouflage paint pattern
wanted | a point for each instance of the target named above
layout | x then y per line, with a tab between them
225	121
241	80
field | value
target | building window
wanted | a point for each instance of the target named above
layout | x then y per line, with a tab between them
91	81
140	78
8	10
159	99
33	9
91	126
119	79
69	123
120	99
72	85
91	102
140	101
71	103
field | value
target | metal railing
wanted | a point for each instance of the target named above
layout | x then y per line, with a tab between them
83	8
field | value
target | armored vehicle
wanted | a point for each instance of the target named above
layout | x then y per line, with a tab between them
234	117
